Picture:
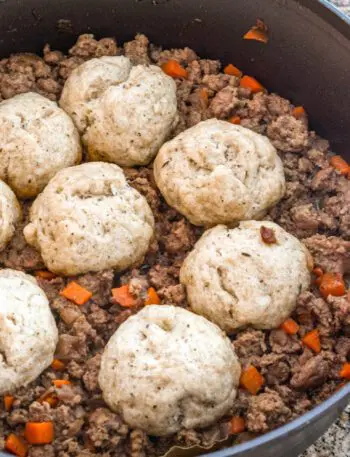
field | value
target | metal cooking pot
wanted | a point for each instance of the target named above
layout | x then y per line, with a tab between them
307	60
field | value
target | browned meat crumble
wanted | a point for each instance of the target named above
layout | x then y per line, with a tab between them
316	208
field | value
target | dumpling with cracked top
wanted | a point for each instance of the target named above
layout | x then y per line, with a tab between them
123	112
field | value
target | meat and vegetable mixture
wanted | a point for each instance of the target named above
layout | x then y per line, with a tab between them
120	335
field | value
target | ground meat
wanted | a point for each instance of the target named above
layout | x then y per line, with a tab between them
266	411
181	237
254	111
52	287
92	368
18	254
342	348
330	253
216	82
250	344
105	428
183	56
174	295
71	347
341	310
143	181
224	102
275	368
52	57
18	416
316	208
324	180
161	276
87	47
308	220
281	343
68	395
314	312
297	401
137	50
12	85
312	374
99	284
68	65
288	134
318	157
138	438
21	73
210	67
278	106
40	412
42	451
338	206
98	317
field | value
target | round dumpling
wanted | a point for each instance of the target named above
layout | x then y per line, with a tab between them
166	368
88	218
124	113
10	214
249	275
219	173
88	82
28	332
37	139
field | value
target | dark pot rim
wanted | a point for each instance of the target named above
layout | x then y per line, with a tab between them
332	9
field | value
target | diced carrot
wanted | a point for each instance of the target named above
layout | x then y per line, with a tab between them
123	296
235	120
345	371
257	35
332	284
340	165
152	297
76	293
237	425
61	382
174	69
290	326
312	340
39	432
51	399
258	32
16	446
318	272
251	380
8	402
58	365
231	70
298	112
248	82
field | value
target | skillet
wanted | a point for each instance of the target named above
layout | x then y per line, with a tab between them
307	61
